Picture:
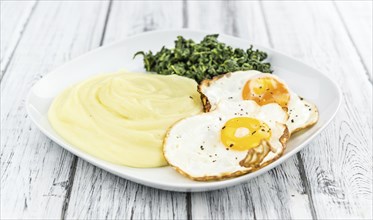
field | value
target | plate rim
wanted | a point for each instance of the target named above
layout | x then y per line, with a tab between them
180	187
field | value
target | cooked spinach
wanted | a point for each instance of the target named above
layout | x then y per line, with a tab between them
203	60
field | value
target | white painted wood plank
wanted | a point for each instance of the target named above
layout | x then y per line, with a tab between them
97	194
14	18
357	17
34	170
278	194
134	17
338	163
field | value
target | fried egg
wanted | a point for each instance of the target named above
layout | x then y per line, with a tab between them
236	138
262	88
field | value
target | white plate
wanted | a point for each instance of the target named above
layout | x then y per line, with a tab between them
303	79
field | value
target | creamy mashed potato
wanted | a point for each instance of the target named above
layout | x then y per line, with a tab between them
122	118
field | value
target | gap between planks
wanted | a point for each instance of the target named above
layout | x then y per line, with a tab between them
75	158
185	14
188	194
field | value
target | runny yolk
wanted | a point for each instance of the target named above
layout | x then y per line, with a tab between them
244	133
266	90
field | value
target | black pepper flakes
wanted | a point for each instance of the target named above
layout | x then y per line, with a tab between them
223	127
202	148
231	145
214	161
191	97
253	132
292	120
230	97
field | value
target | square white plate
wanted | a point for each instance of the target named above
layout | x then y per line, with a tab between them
303	79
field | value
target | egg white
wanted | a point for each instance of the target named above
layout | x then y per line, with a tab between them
229	87
193	146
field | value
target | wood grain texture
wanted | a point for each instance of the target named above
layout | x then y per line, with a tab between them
338	164
130	18
279	194
34	170
15	16
97	194
357	20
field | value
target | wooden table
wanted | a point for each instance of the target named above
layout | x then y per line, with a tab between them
331	178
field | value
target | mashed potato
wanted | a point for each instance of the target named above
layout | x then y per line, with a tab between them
122	118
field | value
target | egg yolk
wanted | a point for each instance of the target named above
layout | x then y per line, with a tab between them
266	90
244	133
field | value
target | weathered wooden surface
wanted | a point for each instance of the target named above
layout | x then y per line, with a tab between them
357	20
17	16
331	178
335	162
35	172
